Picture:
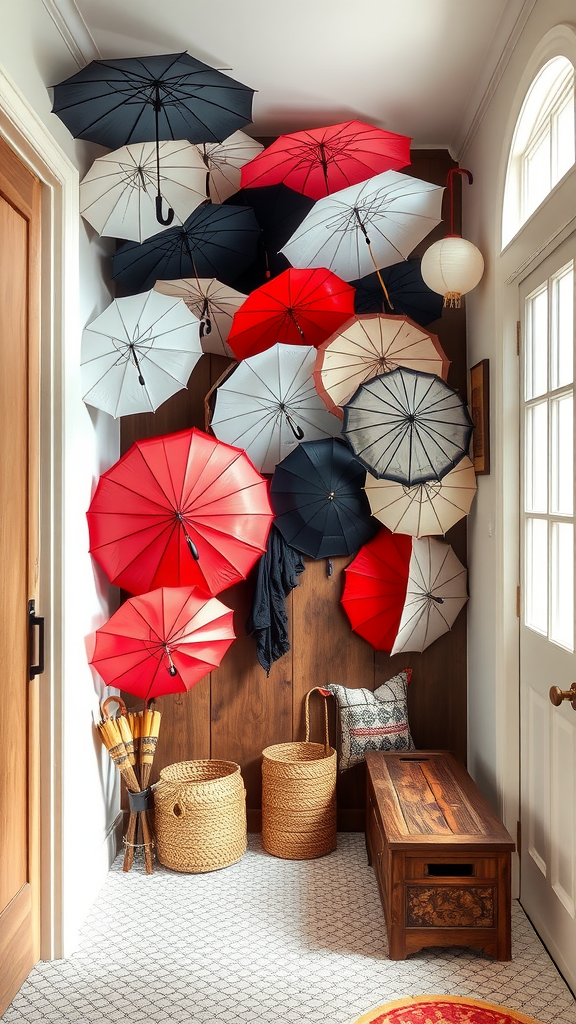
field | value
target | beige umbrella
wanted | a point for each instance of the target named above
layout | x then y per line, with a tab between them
224	160
371	344
425	509
436	592
213	303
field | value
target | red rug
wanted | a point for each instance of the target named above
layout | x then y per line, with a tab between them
443	1010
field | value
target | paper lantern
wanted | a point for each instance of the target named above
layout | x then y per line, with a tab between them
452	267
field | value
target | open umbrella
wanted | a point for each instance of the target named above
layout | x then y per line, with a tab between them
223	161
215	241
369	344
366	226
299	307
145	99
181	509
402	593
319	161
269	403
279	211
425	509
407	293
138	352
407	426
117	194
213	303
318	497
163	642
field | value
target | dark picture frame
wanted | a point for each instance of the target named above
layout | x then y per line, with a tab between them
480	411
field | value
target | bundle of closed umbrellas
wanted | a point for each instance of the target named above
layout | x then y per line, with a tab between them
131	739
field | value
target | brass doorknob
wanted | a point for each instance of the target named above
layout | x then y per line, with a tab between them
557	695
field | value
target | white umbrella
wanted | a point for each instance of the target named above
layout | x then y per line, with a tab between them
373	224
213	303
435	594
425	509
224	161
138	352
118	195
269	403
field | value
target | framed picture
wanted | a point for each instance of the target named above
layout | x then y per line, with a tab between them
480	410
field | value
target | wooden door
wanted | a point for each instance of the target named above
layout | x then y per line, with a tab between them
547	623
19	833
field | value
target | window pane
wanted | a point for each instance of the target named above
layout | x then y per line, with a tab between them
561	455
562	585
536	175
536	446
562	330
537	575
564	130
537	344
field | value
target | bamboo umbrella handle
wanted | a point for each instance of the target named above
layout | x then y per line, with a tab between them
130	837
117	700
147	839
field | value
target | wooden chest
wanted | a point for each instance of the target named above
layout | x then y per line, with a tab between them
441	855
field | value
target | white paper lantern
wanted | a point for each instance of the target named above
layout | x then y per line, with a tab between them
452	267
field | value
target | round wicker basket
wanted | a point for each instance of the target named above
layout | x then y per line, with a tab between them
299	796
200	815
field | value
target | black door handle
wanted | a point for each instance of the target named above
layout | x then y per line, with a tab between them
35	620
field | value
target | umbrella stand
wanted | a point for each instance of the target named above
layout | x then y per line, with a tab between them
131	739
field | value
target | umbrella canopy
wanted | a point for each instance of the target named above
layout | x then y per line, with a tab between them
213	303
223	161
299	307
139	99
181	509
138	352
321	508
319	161
370	344
429	508
401	594
407	293
408	426
117	194
215	241
370	225
269	403
163	642
279	211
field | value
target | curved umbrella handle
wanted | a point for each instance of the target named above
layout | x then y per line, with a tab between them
165	220
192	547
296	430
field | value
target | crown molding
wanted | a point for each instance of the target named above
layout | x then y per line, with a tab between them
502	44
74	30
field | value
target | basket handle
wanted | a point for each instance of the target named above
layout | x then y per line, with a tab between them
325	694
118	701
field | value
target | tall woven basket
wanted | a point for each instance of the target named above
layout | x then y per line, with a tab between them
200	815
299	796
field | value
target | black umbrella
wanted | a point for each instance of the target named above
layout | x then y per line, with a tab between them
408	293
215	241
407	426
318	498
279	211
145	99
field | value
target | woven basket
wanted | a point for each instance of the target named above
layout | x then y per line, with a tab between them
200	815
299	796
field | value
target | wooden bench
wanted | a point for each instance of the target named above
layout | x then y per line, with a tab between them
440	854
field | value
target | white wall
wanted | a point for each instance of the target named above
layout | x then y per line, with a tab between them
492	312
34	55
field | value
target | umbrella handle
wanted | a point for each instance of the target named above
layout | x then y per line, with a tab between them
166	220
113	699
192	547
296	430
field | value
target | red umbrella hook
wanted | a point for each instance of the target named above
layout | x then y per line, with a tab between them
450	187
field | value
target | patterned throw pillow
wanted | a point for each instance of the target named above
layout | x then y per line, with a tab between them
373	720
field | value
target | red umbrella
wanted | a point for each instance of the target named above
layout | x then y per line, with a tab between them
375	588
320	161
299	307
163	642
179	510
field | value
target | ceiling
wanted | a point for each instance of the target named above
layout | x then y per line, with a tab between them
418	67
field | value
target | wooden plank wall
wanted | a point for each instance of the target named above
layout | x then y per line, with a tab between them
236	711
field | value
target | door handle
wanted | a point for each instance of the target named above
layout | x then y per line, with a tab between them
557	695
35	620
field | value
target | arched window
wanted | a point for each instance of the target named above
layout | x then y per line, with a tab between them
543	145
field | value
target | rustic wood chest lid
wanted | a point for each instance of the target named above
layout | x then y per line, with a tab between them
427	796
